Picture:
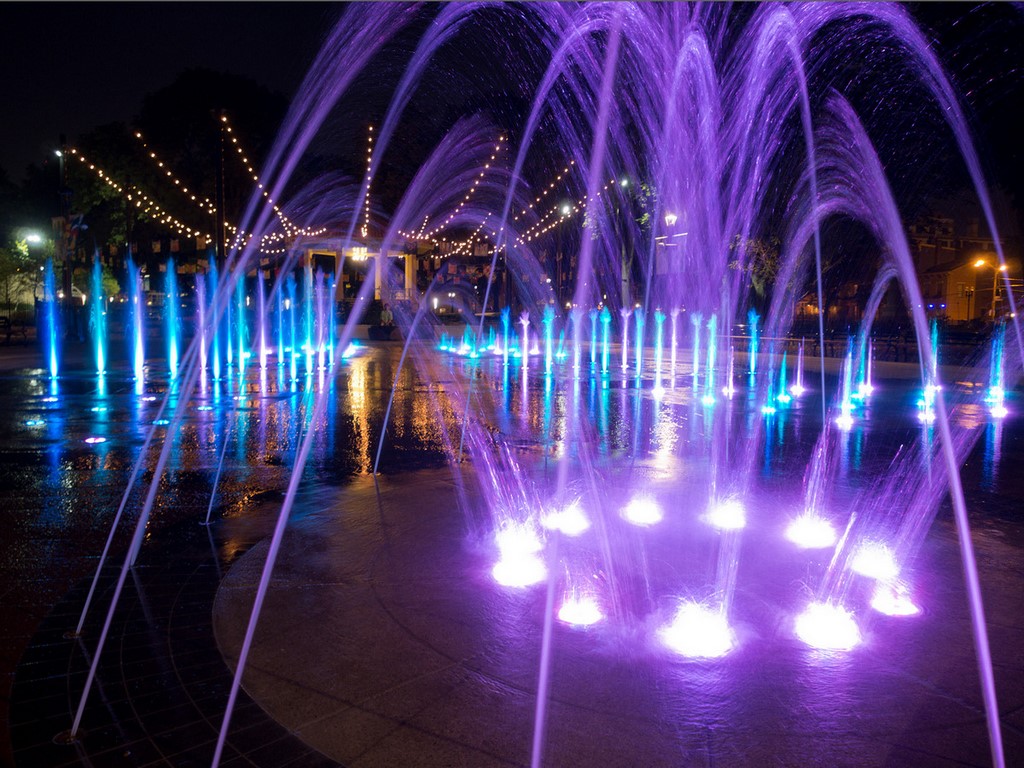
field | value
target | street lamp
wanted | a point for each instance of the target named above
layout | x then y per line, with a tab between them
995	280
566	211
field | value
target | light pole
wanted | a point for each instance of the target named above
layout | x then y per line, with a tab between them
995	280
566	211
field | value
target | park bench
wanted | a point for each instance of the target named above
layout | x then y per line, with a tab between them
10	328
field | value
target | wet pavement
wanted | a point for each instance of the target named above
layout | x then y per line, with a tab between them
388	643
162	685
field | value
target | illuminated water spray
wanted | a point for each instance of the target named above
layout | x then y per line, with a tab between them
675	345
798	379
293	351
547	323
332	288
752	321
625	312
524	320
261	315
606	322
699	631
137	315
709	372
783	397
697	320
729	389
926	404
307	306
321	315
576	316
171	318
214	325
845	418
659	323
594	314
639	318
768	409
240	331
229	348
996	395
506	325
98	318
200	290
279	306
50	315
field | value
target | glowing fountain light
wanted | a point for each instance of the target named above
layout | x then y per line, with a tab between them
926	405
570	520
828	627
520	565
95	440
34	423
845	420
698	632
729	389
351	350
811	532
643	512
996	399
728	515
580	611
876	561
798	385
894	600
783	398
707	400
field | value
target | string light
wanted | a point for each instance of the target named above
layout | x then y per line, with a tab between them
142	202
422	235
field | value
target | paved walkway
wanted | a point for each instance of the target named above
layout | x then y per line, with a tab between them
163	680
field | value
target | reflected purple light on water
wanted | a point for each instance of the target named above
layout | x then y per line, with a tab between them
828	627
728	515
642	511
875	560
894	600
811	532
698	632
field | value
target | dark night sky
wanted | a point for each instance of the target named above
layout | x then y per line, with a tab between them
67	68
